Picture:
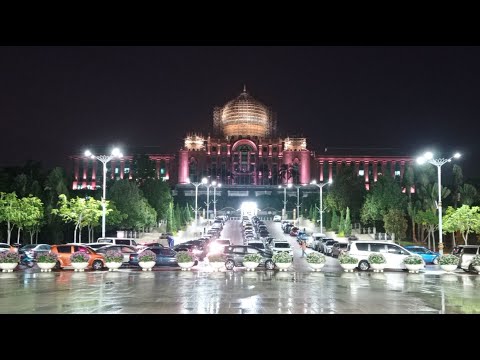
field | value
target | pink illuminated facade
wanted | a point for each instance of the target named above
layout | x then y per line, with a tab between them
244	150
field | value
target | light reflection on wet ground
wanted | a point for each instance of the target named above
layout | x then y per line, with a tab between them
238	292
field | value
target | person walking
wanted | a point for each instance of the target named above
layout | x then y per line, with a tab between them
303	245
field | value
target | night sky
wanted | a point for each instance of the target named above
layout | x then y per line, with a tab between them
56	100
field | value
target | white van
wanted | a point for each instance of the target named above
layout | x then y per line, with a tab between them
314	240
117	241
394	254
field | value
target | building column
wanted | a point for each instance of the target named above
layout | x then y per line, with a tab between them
392	168
330	170
375	170
183	166
76	166
402	168
287	160
365	171
305	168
270	150
122	168
157	168
384	167
339	167
85	167
167	168
228	149
321	171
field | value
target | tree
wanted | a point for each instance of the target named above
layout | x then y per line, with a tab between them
467	194
10	211
171	226
348	190
71	210
457	184
429	220
386	194
347	226
395	223
341	222
128	200
335	221
412	206
91	218
32	209
158	194
465	219
55	184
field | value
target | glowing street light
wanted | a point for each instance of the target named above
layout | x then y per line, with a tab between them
320	209
104	159
285	199
215	185
428	157
196	184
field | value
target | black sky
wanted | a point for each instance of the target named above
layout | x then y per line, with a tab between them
55	100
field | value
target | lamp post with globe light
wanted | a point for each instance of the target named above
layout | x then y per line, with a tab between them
215	185
320	209
104	159
428	157
196	184
285	199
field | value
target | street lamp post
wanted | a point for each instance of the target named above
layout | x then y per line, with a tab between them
215	185
320	209
298	203
104	159
205	182
196	184
428	157
284	199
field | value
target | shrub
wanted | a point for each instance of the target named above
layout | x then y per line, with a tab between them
476	260
252	258
347	259
79	256
113	256
47	258
9	257
184	257
282	257
147	255
215	258
413	260
377	258
448	259
316	258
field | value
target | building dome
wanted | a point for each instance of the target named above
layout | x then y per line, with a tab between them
245	116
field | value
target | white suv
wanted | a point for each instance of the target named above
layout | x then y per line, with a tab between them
281	246
393	253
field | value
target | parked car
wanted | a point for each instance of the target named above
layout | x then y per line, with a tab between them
294	231
281	246
217	245
165	257
457	250
6	247
126	250
394	254
234	256
277	218
327	246
313	241
197	247
319	244
118	241
466	256
339	248
427	255
33	250
96	261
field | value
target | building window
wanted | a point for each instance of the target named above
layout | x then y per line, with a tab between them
162	171
274	149
214	149
116	170
397	172
126	170
265	149
224	148
361	172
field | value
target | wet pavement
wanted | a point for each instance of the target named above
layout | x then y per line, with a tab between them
203	291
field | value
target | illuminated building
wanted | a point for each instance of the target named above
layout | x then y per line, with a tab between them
245	153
